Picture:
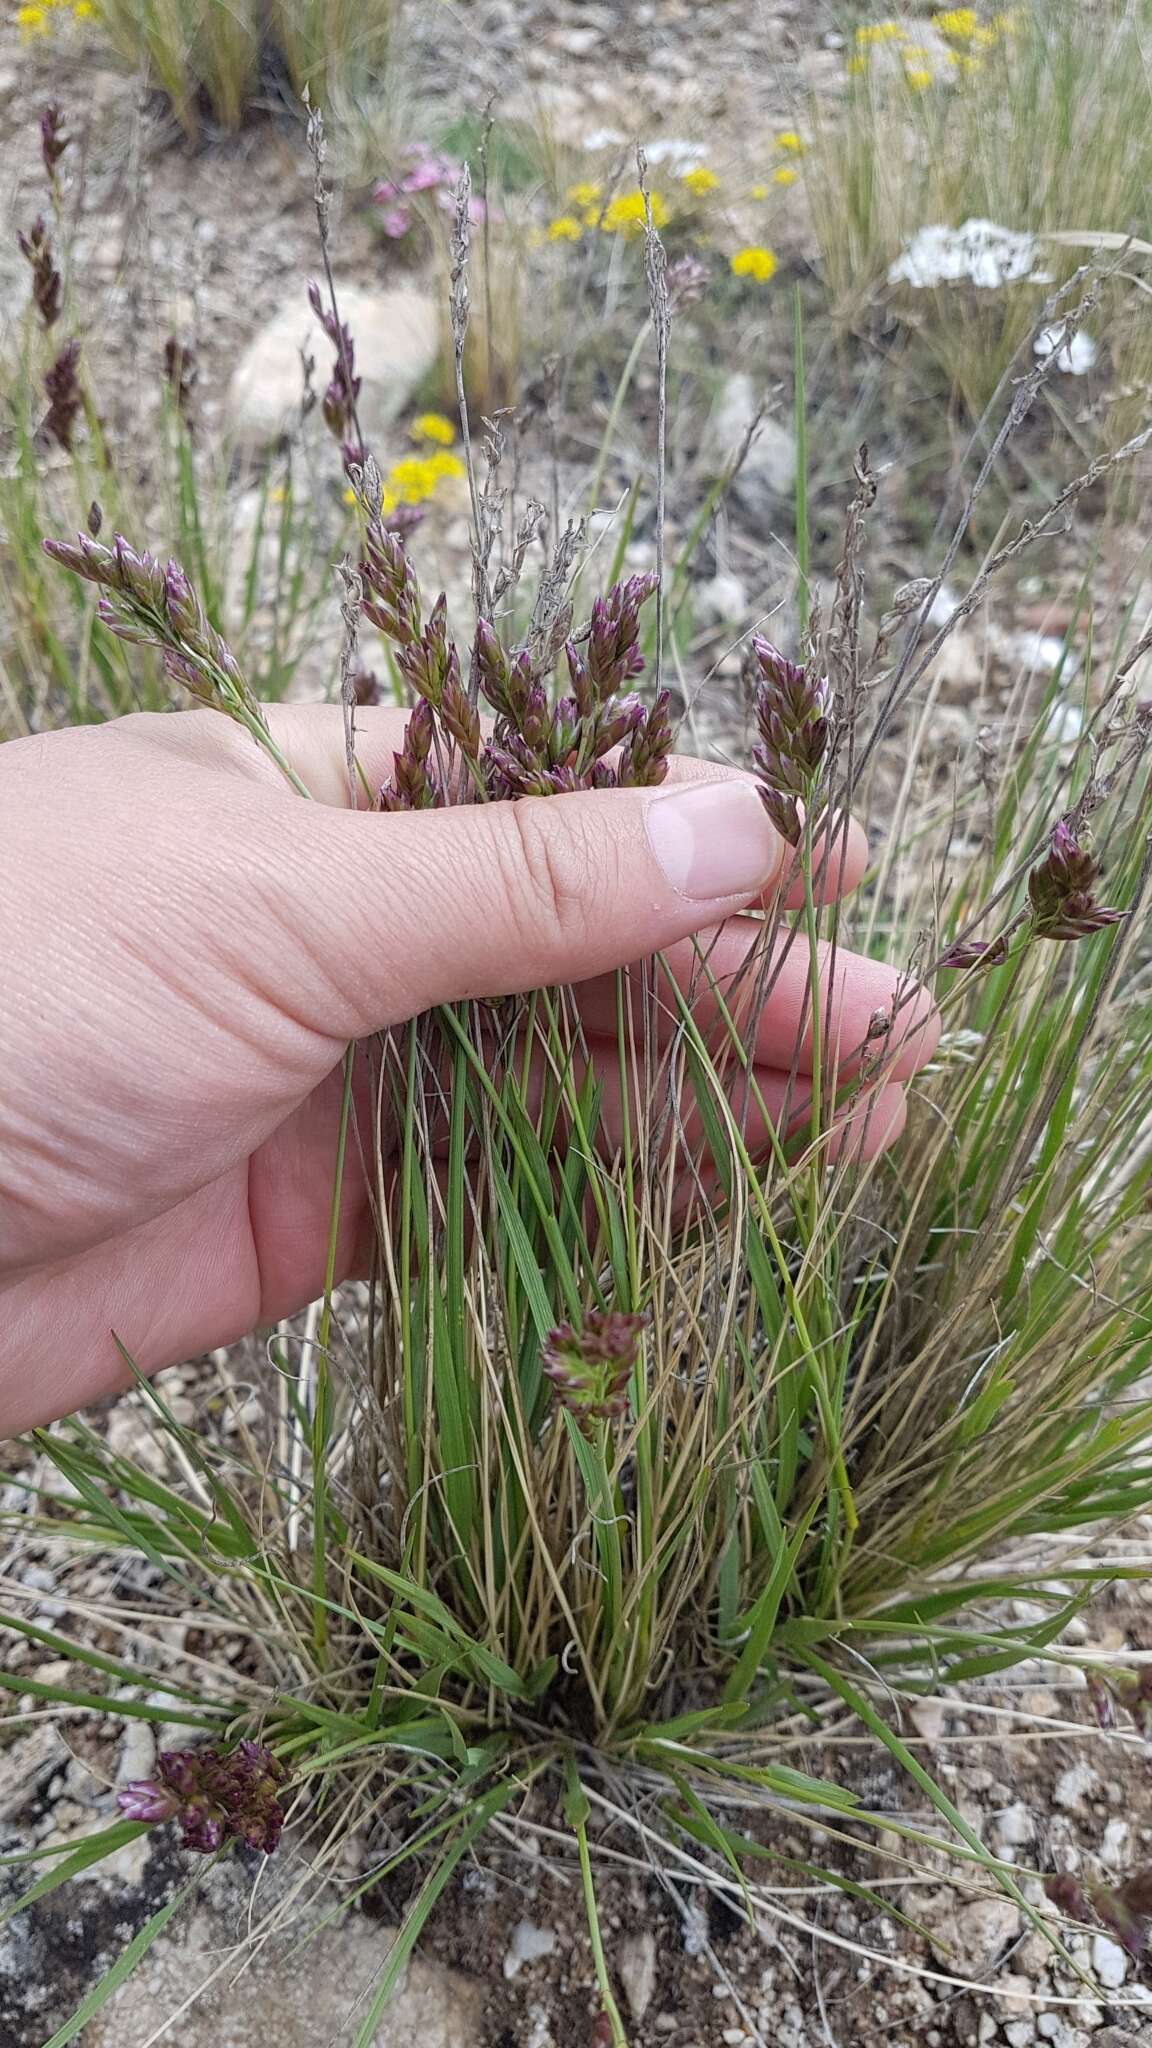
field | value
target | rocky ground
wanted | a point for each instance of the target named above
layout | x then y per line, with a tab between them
214	245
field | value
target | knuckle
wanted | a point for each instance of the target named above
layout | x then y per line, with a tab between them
548	874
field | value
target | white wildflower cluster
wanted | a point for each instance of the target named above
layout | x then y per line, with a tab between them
979	253
1076	357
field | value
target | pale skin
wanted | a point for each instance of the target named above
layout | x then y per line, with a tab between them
188	946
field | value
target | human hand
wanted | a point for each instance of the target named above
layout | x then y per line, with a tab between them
188	945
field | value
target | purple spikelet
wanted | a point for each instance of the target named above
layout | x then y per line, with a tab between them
590	1368
54	140
62	385
412	787
343	389
1060	891
47	289
391	593
645	758
154	605
792	707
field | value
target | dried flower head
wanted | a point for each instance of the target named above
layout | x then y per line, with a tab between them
792	708
687	281
1060	890
590	1368
343	389
215	1798
62	385
367	687
47	289
181	372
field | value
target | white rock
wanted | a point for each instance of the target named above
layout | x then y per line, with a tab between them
1012	1999
768	471
928	1717
529	1944
722	601
1065	724
1055	2028
577	42
1020	2033
283	1995
396	335
1041	651
1109	1962
636	1963
137	1752
677	156
1014	1828
1116	1845
24	1764
1075	1785
969	1938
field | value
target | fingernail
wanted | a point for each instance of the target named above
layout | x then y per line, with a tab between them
714	840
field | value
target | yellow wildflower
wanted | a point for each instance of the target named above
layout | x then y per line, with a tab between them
625	215
433	426
388	500
443	465
701	181
786	175
584	194
856	66
789	143
758	263
917	80
279	492
31	21
83	10
961	22
411	479
759	192
880	32
564	229
350	497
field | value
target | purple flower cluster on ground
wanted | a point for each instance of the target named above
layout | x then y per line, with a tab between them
428	174
215	1798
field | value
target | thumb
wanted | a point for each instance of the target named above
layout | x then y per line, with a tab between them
409	909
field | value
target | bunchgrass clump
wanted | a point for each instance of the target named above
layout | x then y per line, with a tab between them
210	57
669	1403
676	1403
